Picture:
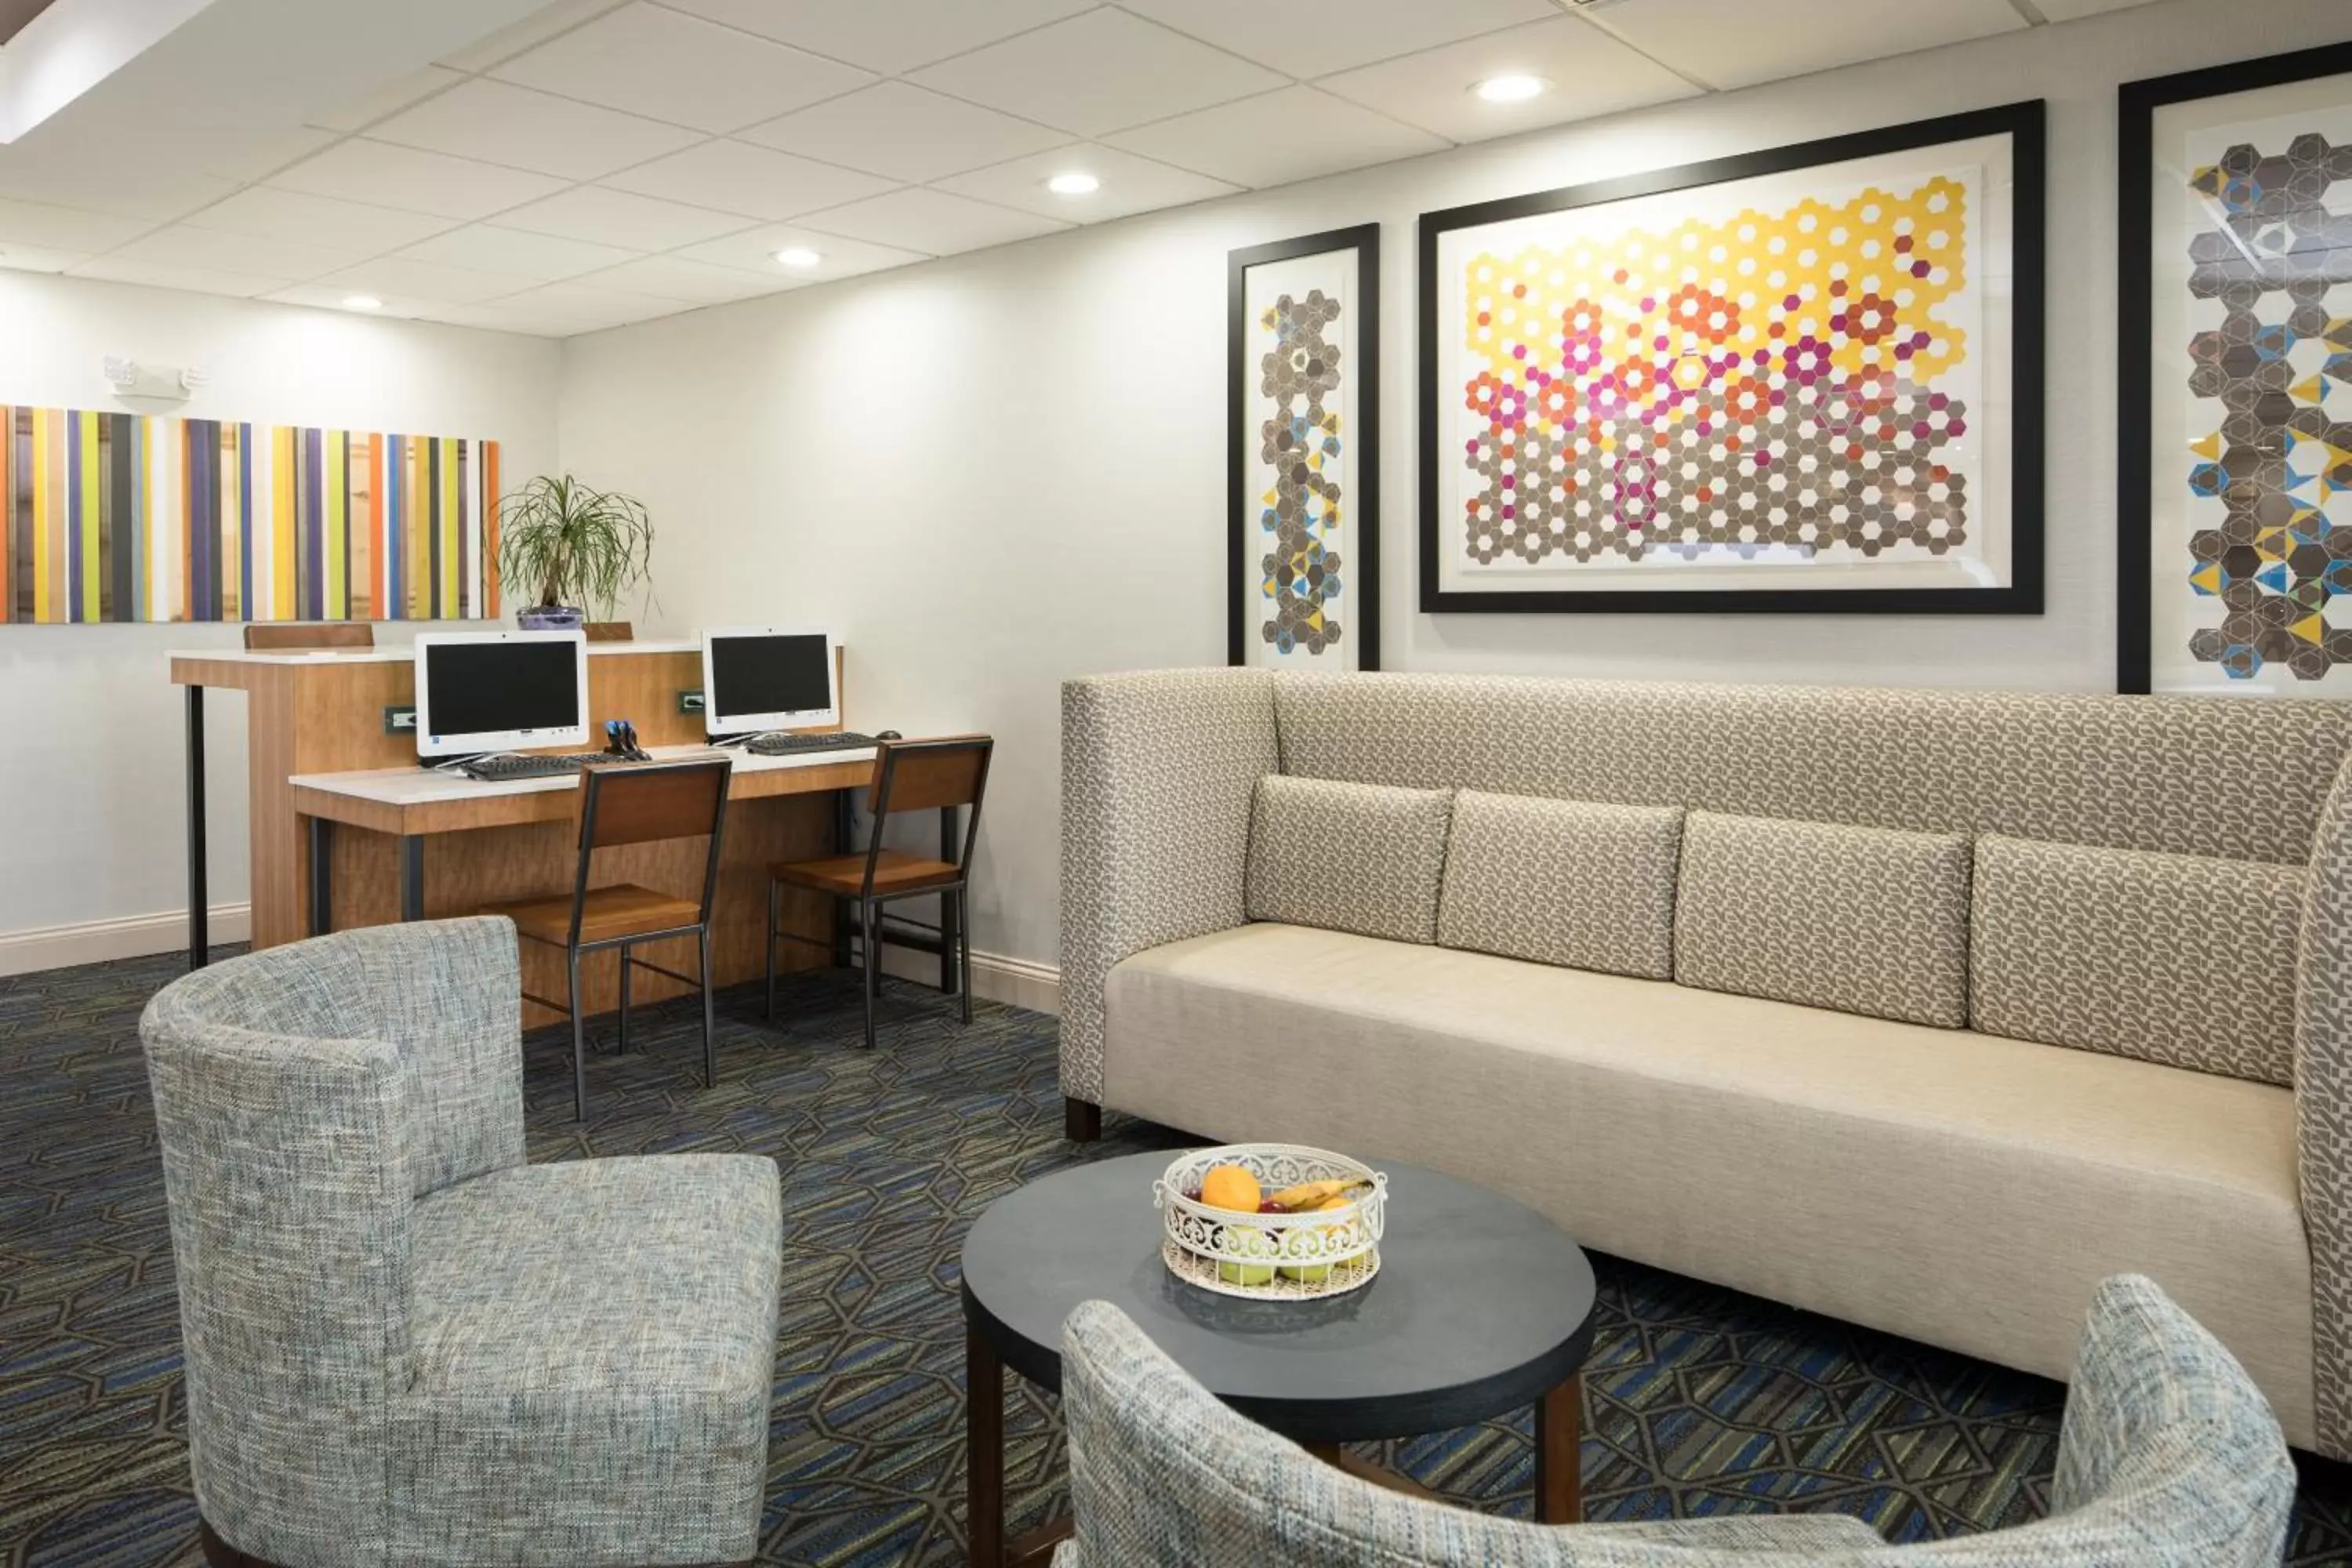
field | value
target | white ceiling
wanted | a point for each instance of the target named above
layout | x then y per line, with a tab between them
602	161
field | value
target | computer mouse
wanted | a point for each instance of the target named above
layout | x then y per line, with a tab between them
890	735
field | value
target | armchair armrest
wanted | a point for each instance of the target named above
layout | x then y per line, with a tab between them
448	995
2323	1111
1157	773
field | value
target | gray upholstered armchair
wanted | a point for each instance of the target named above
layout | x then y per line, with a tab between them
2169	1458
404	1345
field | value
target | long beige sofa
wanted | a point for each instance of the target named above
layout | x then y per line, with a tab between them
1927	1010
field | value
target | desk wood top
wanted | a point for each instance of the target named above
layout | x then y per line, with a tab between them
415	800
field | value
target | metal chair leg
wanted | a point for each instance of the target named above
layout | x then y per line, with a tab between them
709	1042
624	1046
872	967
579	1041
963	934
775	920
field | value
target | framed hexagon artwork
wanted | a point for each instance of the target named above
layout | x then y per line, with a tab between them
2235	450
1303	349
1801	379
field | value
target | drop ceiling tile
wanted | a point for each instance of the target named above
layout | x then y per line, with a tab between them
415	181
542	258
888	36
905	133
392	277
327	296
618	217
529	33
758	182
931	221
260	156
2075	10
1737	43
491	319
588	309
305	219
755	251
286	260
188	279
669	66
30	223
1590	72
32	259
413	88
1277	136
693	282
1100	71
501	124
1315	38
121	187
1130	185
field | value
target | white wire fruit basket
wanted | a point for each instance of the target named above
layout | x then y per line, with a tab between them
1271	1256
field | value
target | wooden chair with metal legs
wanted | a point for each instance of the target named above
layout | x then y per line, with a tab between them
908	776
634	803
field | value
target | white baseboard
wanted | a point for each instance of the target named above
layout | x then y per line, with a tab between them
132	936
994	977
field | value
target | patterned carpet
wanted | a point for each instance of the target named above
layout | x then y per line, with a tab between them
1702	1401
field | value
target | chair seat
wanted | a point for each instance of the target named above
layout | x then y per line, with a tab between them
607	913
844	875
593	1350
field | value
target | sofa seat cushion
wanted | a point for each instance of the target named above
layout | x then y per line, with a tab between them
589	1336
1574	882
1958	1188
1350	856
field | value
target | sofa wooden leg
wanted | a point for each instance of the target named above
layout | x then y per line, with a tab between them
219	1553
1081	1119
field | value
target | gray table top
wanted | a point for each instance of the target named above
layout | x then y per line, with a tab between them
1481	1305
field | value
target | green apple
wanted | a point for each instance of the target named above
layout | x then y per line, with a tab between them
1250	1242
1316	1273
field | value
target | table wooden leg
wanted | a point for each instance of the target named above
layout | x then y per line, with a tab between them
1339	1459
1560	1486
983	1427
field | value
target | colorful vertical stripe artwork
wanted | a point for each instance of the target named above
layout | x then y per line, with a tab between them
118	517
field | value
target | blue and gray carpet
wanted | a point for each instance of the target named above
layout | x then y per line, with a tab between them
1701	1400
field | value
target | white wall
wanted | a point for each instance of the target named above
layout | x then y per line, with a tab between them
91	781
1006	468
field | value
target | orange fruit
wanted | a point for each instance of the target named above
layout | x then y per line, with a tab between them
1231	1187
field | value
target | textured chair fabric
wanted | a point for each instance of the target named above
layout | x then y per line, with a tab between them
403	1345
2169	1459
1569	882
1346	856
2323	1107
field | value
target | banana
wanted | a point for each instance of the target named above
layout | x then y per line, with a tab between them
1318	1194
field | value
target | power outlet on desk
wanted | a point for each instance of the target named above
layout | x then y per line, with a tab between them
690	701
399	719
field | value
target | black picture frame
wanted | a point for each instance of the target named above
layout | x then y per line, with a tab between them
2026	123
1364	239
2136	106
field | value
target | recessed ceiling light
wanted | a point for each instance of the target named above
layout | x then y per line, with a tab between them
798	256
362	303
1511	88
1074	183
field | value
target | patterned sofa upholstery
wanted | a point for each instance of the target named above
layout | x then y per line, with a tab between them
1927	1010
404	1344
2167	1458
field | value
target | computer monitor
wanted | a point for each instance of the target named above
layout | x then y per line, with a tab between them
768	677
500	692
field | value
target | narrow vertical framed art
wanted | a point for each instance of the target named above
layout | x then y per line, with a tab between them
2234	451
1303	352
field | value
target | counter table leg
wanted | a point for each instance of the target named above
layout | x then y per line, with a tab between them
199	898
322	875
412	877
1559	1481
950	912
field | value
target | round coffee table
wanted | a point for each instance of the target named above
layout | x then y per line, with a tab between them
1481	1306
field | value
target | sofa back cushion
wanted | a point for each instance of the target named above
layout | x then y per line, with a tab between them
2176	959
1571	882
1863	919
1346	856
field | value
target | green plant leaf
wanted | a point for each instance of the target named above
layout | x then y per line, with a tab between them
573	544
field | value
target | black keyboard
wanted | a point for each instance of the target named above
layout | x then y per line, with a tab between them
504	767
778	744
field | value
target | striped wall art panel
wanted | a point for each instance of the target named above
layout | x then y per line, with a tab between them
118	517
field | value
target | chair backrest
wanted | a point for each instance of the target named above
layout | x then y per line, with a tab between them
929	775
261	636
639	803
305	1096
2170	1458
609	631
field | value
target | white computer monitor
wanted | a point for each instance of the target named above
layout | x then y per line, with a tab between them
769	678
500	692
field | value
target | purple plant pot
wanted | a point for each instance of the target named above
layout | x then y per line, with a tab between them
551	618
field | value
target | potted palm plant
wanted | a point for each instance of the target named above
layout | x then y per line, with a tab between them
577	546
